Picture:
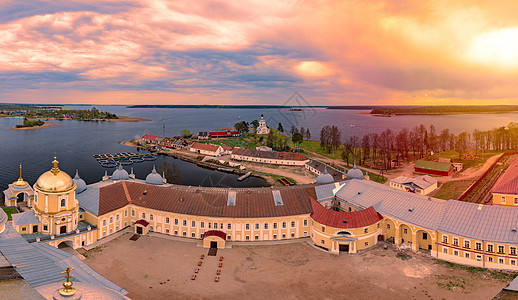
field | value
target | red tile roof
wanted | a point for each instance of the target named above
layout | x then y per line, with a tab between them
217	233
112	197
268	154
142	222
206	147
149	137
339	219
508	183
200	201
224	133
227	148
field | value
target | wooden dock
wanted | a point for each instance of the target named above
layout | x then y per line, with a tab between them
245	176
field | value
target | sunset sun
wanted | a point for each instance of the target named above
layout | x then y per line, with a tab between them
498	48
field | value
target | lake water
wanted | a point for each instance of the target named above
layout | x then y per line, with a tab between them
75	142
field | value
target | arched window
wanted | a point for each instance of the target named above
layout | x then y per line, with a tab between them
63	204
344	233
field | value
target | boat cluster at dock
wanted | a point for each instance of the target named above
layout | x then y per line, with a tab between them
123	158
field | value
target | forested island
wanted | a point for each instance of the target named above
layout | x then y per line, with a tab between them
30	123
54	112
443	110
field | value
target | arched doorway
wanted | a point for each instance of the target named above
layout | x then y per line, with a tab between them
389	230
405	234
66	244
22	201
63	229
424	240
21	198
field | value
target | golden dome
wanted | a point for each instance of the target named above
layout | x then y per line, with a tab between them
55	180
20	183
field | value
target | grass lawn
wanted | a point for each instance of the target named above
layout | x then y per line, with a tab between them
452	189
469	160
9	210
314	146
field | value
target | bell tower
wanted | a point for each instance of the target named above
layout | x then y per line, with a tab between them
55	203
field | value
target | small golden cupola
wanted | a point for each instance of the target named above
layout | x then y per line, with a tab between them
55	180
20	183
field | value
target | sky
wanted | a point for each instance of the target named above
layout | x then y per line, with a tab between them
365	52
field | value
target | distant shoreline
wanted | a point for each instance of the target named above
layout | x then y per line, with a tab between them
444	110
438	114
120	119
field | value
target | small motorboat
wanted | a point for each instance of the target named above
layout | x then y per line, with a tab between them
149	157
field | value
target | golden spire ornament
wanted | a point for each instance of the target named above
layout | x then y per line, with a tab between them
55	168
67	289
20	179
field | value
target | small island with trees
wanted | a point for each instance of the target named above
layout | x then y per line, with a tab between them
30	123
31	113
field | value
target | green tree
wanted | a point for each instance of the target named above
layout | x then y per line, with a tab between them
255	124
186	133
297	138
280	128
242	127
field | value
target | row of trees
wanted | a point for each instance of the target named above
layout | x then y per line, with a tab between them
389	147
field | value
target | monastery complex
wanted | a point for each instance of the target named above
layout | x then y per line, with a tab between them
349	215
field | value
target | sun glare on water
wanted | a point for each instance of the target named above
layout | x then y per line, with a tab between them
498	48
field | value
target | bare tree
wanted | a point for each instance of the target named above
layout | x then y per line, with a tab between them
171	172
366	148
325	138
336	137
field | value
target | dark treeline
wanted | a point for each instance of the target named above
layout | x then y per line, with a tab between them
388	148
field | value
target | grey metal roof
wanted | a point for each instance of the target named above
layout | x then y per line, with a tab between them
401	205
154	178
89	199
3	217
82	271
41	264
120	174
489	223
354	173
325	177
422	182
80	183
320	166
24	218
325	191
35	268
513	286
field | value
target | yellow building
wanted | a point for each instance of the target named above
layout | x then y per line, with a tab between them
348	232
505	191
366	213
54	214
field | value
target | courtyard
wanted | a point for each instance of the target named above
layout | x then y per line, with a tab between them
161	268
